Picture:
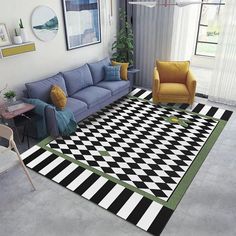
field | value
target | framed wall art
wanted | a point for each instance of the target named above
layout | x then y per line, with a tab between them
82	22
4	36
44	23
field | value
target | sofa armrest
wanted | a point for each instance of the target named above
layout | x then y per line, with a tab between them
191	84
51	122
155	85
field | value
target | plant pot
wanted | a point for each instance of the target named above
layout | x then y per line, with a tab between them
11	100
24	35
17	40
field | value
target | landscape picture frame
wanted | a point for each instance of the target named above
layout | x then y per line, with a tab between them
82	23
4	36
44	23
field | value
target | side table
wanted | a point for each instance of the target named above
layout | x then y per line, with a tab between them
131	75
18	118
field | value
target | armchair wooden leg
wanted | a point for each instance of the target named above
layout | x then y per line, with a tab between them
154	100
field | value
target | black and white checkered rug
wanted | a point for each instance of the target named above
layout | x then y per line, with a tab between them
132	158
131	141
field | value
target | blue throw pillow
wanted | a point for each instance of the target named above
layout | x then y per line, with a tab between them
112	73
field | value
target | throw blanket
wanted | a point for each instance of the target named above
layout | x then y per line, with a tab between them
65	119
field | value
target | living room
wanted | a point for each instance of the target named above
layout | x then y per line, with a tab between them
119	116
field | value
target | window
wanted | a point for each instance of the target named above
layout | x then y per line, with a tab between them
208	27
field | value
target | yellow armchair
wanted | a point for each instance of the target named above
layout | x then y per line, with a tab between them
173	82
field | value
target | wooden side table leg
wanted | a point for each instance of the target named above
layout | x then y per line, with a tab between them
17	134
23	136
27	133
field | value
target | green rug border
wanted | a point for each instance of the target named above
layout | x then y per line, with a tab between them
43	144
186	180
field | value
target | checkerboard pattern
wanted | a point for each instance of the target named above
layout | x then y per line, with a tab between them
200	108
131	141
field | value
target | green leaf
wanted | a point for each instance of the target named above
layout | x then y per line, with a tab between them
123	46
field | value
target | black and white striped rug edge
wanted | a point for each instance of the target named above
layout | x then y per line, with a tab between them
130	206
200	108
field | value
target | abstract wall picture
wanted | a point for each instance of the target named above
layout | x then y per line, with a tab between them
44	23
4	36
82	22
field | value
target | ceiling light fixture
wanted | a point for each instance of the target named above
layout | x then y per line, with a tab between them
165	4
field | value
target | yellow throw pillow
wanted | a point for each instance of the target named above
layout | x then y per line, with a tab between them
58	97
173	71
123	69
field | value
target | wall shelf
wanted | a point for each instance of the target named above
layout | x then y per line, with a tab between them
14	49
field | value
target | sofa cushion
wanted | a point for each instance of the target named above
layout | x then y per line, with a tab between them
92	95
77	79
115	86
76	106
175	89
97	69
41	89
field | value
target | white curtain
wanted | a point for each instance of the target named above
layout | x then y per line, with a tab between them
153	36
223	83
184	32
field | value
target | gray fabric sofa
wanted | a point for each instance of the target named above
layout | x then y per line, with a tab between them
85	88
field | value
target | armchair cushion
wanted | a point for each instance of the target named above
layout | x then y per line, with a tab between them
176	89
173	72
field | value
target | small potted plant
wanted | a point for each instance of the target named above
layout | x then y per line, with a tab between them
10	96
17	38
123	46
23	32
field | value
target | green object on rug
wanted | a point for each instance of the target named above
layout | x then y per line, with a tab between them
176	120
104	153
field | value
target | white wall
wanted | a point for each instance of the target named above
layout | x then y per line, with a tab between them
50	57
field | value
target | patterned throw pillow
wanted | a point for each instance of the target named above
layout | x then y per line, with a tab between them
123	69
58	97
112	73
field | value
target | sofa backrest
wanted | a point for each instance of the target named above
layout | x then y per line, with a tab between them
41	89
97	69
77	79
